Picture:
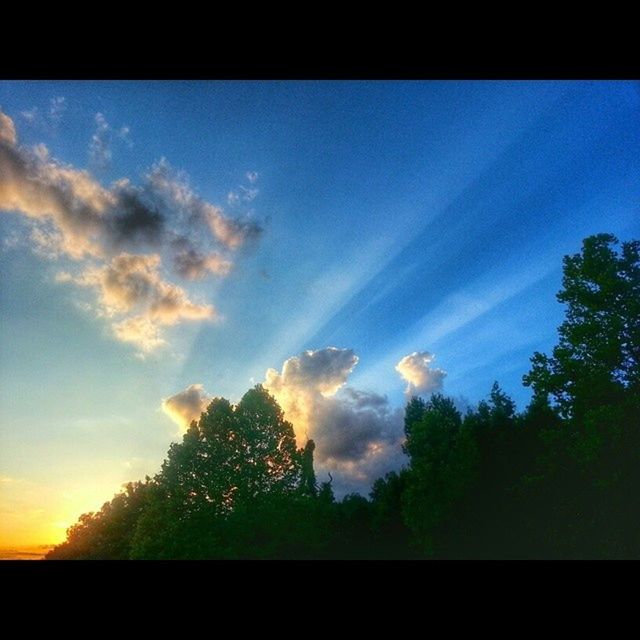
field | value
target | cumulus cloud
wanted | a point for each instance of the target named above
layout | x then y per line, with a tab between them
187	405
357	433
323	371
109	231
420	377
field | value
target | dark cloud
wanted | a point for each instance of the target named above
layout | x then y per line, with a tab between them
352	422
135	222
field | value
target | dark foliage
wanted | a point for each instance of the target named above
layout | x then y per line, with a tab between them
559	480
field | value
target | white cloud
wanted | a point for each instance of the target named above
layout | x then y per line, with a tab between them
420	377
7	129
248	195
30	115
186	405
57	107
100	146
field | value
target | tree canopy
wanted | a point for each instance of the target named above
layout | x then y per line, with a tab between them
558	480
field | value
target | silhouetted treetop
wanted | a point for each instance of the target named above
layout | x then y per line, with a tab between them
597	359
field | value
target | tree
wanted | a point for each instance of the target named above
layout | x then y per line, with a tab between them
593	376
443	460
229	461
107	534
597	359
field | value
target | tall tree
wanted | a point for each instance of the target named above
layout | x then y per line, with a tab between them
597	359
230	459
443	460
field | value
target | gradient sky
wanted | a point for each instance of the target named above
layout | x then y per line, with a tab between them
380	218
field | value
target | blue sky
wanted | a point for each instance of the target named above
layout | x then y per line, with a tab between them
380	218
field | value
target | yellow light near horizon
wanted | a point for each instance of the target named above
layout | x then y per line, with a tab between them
35	515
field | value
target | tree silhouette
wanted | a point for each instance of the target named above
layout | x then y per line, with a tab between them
556	481
443	457
597	360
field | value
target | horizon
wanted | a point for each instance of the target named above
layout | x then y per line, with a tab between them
345	244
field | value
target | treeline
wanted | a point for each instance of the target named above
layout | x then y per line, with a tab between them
559	480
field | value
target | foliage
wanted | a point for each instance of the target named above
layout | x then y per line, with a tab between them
558	480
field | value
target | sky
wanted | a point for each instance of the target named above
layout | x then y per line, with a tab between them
346	244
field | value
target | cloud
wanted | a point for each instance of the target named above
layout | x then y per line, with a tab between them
30	115
192	265
50	118
323	371
246	194
132	284
121	234
101	143
357	433
141	331
175	193
97	221
100	146
7	130
66	199
187	405
57	107
123	134
420	377
249	195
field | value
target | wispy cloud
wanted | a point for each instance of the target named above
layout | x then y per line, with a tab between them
100	152
48	119
245	194
57	107
102	139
